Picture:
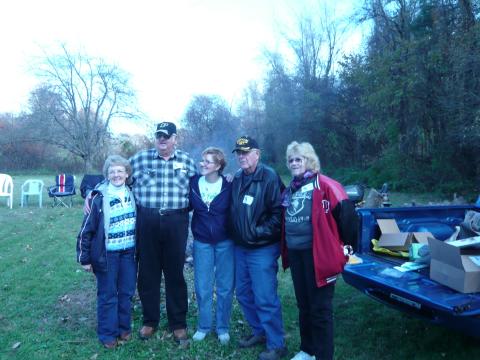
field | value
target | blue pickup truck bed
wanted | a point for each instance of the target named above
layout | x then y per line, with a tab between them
413	292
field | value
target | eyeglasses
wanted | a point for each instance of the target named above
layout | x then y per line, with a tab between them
206	162
296	159
160	135
115	172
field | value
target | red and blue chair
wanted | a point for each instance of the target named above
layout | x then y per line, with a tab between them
63	190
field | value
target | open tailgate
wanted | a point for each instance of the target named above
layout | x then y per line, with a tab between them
412	291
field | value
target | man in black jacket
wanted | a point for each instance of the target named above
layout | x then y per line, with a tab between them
255	220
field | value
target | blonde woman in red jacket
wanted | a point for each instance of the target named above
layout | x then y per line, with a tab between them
318	220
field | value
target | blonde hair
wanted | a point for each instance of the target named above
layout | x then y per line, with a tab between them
307	151
218	157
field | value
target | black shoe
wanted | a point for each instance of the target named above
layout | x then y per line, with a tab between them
251	340
273	354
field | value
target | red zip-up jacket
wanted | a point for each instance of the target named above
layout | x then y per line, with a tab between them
334	223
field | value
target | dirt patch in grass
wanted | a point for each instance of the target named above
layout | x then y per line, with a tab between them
5	324
76	309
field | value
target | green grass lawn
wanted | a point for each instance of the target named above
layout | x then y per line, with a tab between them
47	305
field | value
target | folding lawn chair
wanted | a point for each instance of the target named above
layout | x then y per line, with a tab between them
63	189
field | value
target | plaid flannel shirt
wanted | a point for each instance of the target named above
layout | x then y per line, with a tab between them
160	183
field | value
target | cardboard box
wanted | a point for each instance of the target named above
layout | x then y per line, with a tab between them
456	264
391	237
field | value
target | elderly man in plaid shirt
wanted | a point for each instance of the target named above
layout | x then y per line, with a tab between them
161	189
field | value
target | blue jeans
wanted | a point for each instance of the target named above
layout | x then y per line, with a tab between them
214	266
256	289
115	289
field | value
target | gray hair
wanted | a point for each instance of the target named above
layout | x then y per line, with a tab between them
117	160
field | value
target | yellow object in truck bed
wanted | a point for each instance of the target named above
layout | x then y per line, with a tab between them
354	259
385	251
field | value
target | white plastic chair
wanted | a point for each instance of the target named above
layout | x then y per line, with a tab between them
31	187
6	188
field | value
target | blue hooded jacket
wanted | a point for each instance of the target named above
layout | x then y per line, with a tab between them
209	224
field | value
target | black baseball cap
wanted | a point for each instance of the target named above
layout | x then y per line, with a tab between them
245	143
166	128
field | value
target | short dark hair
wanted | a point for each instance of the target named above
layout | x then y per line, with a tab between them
218	156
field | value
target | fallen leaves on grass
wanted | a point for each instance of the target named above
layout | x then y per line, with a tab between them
165	335
75	308
65	298
184	345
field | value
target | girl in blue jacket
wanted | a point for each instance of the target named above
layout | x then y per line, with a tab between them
106	247
213	251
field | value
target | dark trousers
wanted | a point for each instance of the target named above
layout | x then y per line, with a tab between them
161	241
315	306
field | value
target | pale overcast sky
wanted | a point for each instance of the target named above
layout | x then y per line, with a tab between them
172	49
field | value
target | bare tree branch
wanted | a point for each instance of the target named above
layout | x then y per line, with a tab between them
85	95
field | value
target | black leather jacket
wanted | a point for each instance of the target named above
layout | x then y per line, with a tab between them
255	210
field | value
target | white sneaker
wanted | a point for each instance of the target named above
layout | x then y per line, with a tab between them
199	336
302	355
224	338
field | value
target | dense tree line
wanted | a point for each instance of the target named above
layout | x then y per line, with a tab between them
404	110
414	93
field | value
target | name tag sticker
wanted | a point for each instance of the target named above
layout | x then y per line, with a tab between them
248	200
308	187
177	165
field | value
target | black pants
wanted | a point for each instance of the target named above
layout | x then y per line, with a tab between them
161	242
315	306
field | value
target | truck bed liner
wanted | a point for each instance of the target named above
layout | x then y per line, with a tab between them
413	292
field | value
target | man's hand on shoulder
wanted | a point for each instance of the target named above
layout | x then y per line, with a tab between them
86	205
